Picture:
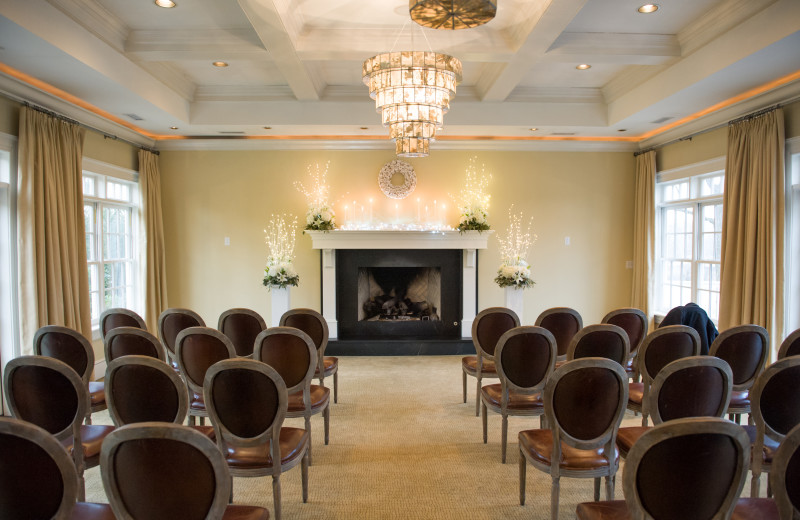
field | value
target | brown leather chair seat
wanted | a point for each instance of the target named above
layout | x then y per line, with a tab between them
470	364
319	397
746	509
197	402
234	512
494	394
292	440
90	511
92	437
627	437
330	363
636	393
97	392
539	443
740	399
770	445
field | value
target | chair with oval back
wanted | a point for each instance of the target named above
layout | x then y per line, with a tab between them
131	341
247	402
162	471
660	347
313	323
292	353
525	358
790	346
487	328
196	349
50	394
745	348
38	480
604	340
784	475
118	317
170	323
241	326
71	347
634	322
563	323
584	401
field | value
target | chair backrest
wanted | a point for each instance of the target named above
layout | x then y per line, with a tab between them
144	389
633	321
775	399
687	469
38	480
292	353
663	346
161	471
312	323
247	402
784	476
119	317
488	326
67	345
171	322
196	349
584	402
241	326
132	341
696	386
790	346
563	323
525	357
604	340
745	348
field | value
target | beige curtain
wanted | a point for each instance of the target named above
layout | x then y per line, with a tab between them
54	285
751	288
154	272
644	225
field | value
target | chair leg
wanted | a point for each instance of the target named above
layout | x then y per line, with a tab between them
644	419
276	496
326	416
755	484
202	421
522	469
192	420
88	420
304	475
554	498
478	397
464	384
609	488
504	441
308	429
230	498
597	489
336	386
485	423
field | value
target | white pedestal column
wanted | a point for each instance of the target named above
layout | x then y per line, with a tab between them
514	301
329	291
469	291
280	303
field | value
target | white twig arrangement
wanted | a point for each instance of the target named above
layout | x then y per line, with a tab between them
514	269
320	215
280	238
473	200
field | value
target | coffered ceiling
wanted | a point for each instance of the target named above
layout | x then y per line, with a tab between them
294	69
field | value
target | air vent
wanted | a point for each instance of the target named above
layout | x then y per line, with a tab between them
232	132
134	117
662	119
563	133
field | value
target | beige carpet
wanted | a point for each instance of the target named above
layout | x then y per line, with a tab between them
404	446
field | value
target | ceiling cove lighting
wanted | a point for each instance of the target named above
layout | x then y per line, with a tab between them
165	3
648	8
452	14
412	91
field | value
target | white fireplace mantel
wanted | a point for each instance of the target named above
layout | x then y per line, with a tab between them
469	242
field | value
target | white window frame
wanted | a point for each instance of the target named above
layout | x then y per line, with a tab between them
693	175
792	231
102	173
9	312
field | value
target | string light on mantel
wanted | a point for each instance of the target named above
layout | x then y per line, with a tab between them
424	216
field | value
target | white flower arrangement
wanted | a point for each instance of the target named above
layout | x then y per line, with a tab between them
473	201
514	270
320	215
320	218
280	240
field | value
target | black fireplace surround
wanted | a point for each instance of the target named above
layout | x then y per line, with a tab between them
442	316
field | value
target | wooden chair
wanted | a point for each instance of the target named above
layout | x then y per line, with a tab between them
170	323
604	340
661	347
688	469
745	348
144	389
776	410
196	349
487	328
313	323
584	401
118	317
247	402
241	326
130	341
524	357
697	386
563	323
161	471
634	322
71	347
292	353
50	394
38	480
784	476
790	346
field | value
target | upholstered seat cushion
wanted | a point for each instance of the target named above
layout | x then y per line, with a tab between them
740	399
470	365
208	431
331	365
627	437
539	445
746	509
292	440
319	396
235	512
92	437
755	509
92	511
493	394
770	446
197	403
636	393
97	392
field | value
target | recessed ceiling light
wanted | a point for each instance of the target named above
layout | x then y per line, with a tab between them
583	66
533	129
219	63
648	8
364	128
622	130
165	3
173	128
267	128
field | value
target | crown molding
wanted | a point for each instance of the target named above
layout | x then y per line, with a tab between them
716	21
96	19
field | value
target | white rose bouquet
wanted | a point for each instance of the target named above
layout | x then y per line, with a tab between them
320	218
281	274
516	275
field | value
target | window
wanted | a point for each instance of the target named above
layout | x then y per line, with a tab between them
9	345
110	210
792	287
689	240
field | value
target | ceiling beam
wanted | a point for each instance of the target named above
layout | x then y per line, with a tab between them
632	49
190	44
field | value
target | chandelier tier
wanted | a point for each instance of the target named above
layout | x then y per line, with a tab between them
452	14
412	91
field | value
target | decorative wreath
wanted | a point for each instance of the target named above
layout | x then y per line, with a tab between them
388	171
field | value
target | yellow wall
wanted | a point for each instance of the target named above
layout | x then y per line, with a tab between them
210	195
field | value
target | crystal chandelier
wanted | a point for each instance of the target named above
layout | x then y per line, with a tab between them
412	91
452	14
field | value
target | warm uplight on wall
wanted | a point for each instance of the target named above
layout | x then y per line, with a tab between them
648	8
165	3
583	66
219	63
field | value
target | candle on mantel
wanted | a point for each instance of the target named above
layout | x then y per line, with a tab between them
370	211
443	215
345	215
427	220
435	212
396	213
419	213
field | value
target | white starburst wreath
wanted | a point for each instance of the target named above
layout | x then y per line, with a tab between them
397	191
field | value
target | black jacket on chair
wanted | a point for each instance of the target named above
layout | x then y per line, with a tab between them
695	317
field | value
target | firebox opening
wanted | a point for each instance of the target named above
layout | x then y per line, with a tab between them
399	294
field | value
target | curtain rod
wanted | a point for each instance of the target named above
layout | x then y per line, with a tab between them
105	135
